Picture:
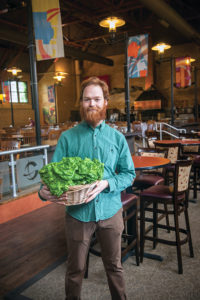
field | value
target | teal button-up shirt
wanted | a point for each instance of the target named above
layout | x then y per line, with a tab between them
110	147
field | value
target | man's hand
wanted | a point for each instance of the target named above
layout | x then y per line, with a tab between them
100	186
46	194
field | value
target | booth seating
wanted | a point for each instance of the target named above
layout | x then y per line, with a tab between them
130	239
176	197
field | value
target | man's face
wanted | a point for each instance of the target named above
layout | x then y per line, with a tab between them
93	105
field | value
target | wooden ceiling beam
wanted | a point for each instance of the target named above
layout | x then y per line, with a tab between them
22	39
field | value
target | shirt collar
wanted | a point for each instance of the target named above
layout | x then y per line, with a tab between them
99	127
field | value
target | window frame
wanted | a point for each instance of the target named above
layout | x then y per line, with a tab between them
9	92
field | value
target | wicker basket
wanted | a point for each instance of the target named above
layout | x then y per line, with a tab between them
76	194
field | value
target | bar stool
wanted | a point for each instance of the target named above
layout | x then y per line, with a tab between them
173	154
177	197
130	237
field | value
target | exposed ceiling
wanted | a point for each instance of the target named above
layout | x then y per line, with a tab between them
172	21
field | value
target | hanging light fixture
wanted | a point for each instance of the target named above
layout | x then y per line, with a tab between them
112	23
59	76
2	96
189	60
14	71
161	47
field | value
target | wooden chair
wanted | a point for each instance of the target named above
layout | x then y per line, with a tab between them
9	145
177	197
29	136
54	134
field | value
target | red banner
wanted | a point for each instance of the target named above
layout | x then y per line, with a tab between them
183	72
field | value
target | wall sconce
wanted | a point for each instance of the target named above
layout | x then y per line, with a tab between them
14	71
161	47
112	23
59	76
1	98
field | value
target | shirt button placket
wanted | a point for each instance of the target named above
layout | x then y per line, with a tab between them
95	141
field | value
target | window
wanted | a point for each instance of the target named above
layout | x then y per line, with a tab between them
15	91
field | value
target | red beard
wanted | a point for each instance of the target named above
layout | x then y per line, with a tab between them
93	115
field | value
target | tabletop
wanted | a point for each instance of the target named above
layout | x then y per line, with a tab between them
183	142
147	162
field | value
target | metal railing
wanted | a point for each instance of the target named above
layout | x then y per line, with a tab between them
12	162
161	130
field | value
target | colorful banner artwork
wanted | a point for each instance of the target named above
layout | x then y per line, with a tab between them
6	91
48	30
183	72
138	56
49	107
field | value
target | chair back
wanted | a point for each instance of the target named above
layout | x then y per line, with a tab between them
182	175
137	127
152	152
54	134
29	136
173	150
191	149
150	141
9	145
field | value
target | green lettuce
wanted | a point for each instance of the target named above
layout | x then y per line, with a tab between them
70	171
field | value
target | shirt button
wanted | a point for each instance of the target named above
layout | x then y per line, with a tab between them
97	200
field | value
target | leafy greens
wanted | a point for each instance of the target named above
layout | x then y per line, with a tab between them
70	171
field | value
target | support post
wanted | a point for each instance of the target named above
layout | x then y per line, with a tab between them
196	106
33	73
126	83
11	106
172	90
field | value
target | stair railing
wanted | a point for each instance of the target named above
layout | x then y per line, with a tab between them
159	128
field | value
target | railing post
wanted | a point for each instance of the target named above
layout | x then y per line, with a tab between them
12	165
45	156
160	131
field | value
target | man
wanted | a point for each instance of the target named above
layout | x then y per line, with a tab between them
102	212
31	123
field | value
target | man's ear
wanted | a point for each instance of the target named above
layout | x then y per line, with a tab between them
106	102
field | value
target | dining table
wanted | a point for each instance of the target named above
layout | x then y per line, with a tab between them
149	163
183	142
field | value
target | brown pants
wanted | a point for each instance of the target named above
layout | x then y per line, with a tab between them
78	235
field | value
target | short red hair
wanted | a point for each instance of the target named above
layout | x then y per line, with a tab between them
95	81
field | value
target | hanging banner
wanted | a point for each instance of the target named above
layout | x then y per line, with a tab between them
48	30
183	72
49	107
138	56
